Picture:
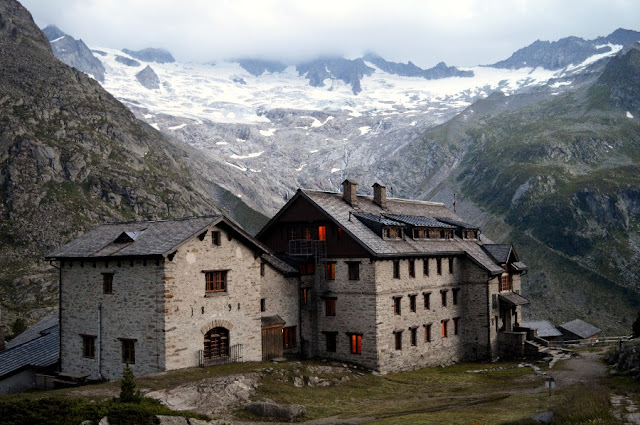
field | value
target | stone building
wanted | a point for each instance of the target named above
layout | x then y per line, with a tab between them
396	284
171	294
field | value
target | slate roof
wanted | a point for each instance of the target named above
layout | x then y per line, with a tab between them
457	223
279	265
269	321
342	214
545	328
38	349
152	238
420	221
382	220
34	331
580	328
513	298
500	252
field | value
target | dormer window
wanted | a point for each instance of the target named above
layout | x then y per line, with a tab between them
420	233
128	237
392	233
469	234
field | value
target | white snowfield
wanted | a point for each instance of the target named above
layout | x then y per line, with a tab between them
216	92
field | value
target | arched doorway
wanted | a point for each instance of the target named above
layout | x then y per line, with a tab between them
216	343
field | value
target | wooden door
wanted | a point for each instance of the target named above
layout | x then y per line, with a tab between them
271	342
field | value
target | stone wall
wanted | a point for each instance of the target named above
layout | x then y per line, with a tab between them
190	312
131	311
280	294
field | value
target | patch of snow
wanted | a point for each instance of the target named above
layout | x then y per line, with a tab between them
222	143
301	167
413	123
335	170
240	140
364	130
559	84
268	133
355	113
251	155
615	48
58	39
177	127
147	116
254	171
629	114
236	166
313	151
155	125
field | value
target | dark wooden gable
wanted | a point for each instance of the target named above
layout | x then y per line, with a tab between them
301	219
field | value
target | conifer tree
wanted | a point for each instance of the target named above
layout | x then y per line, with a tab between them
128	393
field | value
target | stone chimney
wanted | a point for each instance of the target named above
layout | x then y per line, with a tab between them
380	195
349	188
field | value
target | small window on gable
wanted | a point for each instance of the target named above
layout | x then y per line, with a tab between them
339	233
322	233
107	283
262	269
263	304
215	238
292	233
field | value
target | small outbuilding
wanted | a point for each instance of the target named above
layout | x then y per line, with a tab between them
544	328
579	330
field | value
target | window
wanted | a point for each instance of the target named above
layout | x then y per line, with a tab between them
443	294
450	265
322	233
216	281
305	296
505	282
288	337
456	325
444	327
262	269
397	305
425	267
414	336
107	283
306	233
331	271
263	304
339	233
292	233
356	343
439	265
454	293
330	306
306	269
427	300
331	341
354	270
391	233
412	268
398	339
396	269
88	346
128	350
427	332
215	238
412	303
216	343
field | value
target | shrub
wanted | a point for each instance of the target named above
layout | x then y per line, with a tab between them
128	393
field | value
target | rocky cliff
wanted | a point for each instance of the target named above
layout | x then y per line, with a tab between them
72	156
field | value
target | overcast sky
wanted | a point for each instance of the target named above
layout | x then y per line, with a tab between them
458	32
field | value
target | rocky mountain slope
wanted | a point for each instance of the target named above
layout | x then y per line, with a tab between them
74	52
72	156
560	177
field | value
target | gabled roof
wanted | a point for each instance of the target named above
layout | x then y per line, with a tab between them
580	328
499	252
378	219
513	298
37	347
145	238
342	214
545	328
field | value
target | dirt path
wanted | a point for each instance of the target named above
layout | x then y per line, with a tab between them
585	368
